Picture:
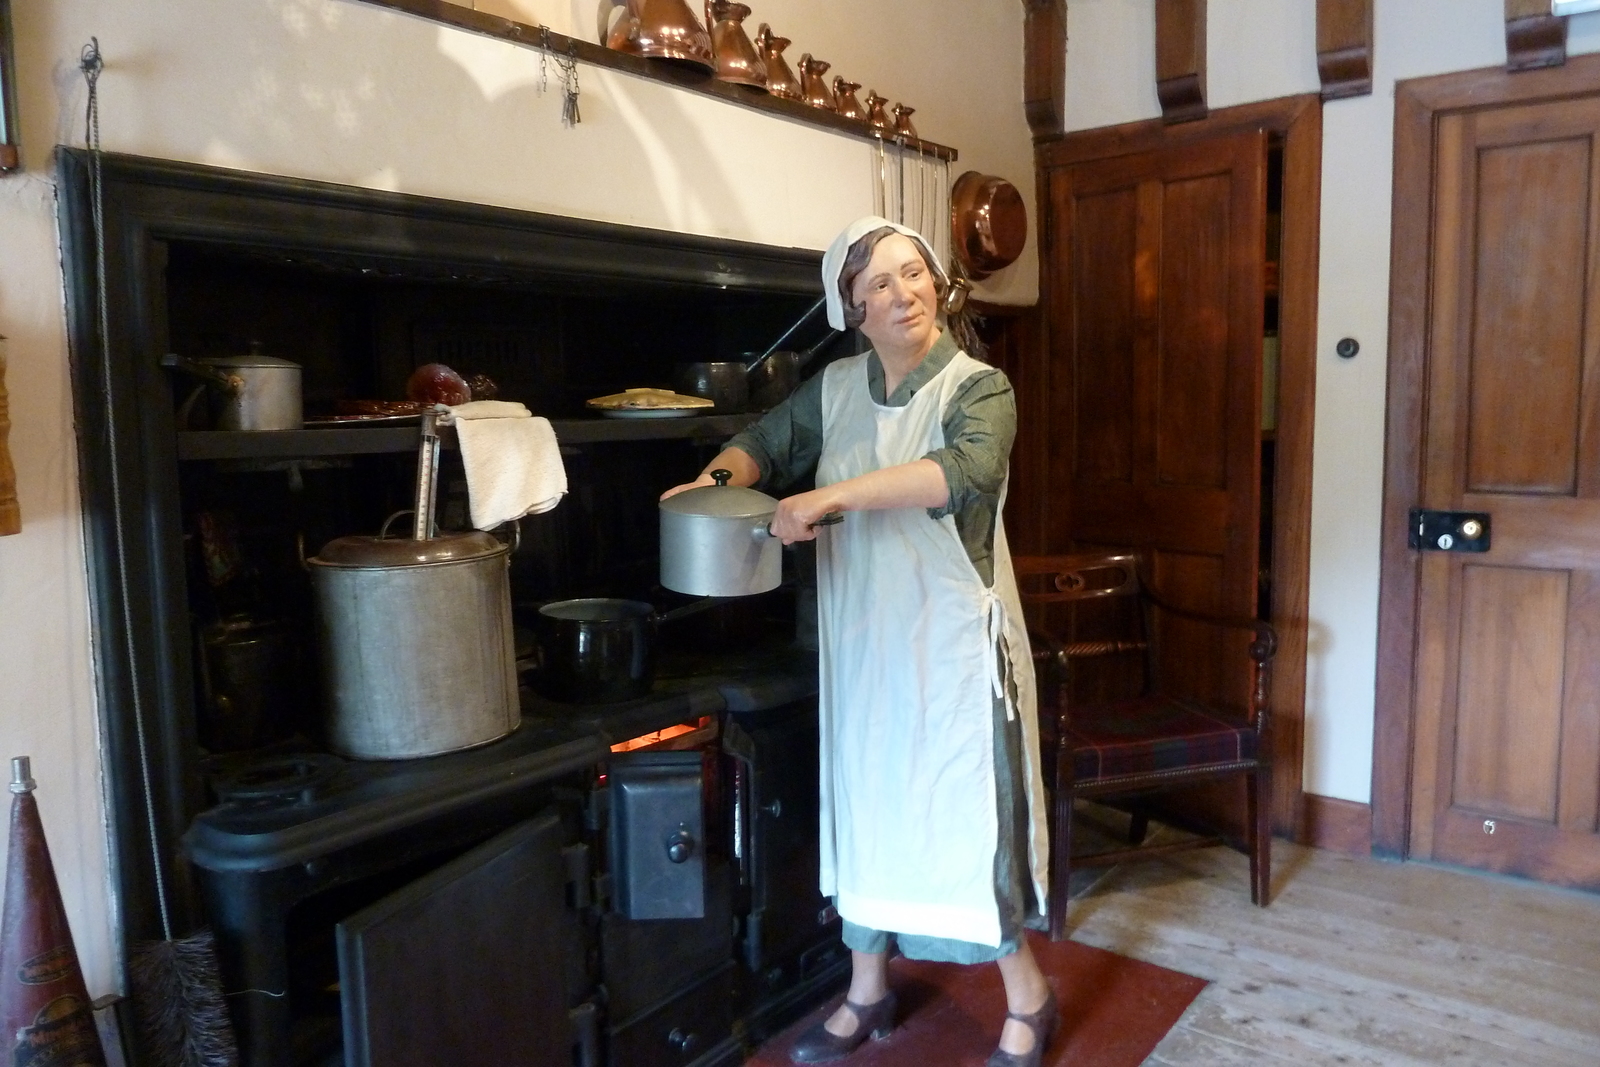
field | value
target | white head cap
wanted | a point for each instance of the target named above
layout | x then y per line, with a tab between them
833	260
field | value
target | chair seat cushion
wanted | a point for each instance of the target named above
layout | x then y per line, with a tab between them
1153	734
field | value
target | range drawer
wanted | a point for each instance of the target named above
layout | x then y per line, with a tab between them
682	1030
646	961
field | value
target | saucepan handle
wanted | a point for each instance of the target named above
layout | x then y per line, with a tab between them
832	518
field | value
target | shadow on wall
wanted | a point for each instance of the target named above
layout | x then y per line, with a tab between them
345	92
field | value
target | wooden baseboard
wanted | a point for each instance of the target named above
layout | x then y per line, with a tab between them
1334	824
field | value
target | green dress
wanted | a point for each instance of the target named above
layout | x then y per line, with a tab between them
979	427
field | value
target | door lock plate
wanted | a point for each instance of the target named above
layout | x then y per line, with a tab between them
1449	531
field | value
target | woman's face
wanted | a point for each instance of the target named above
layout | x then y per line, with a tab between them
897	290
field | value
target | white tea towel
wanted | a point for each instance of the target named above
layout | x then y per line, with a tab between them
513	464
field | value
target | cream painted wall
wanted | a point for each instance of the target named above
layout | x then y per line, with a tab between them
1258	50
346	92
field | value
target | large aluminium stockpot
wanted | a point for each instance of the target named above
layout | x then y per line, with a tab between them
417	645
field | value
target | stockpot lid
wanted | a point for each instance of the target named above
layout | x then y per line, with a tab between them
363	551
721	501
251	359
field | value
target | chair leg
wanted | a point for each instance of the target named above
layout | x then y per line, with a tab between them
1258	793
1060	864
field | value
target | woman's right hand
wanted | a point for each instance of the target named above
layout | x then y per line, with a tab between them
704	479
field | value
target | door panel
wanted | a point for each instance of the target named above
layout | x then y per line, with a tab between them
1156	373
1526	356
1507	684
1512	651
1103	267
1192	355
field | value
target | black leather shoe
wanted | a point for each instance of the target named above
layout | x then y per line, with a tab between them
821	1045
1043	1023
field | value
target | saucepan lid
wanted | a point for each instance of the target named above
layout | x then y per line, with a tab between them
721	500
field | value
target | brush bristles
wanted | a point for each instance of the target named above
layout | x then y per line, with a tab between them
177	998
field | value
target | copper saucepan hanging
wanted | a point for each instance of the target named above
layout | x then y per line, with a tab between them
988	223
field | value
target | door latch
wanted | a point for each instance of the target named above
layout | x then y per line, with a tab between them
1449	531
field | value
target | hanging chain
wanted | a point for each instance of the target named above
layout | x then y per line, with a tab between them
568	65
91	64
544	59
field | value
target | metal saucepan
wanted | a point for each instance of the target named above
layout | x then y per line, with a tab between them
599	650
725	384
249	392
717	540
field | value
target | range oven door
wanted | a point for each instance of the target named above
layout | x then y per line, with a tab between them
791	929
477	964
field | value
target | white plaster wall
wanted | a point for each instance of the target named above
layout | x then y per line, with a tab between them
346	92
1258	50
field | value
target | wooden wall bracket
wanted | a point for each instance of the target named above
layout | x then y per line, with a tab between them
1181	59
1534	37
1344	47
1044	78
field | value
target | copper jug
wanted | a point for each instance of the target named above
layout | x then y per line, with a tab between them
877	118
813	89
780	78
737	60
844	92
902	123
661	29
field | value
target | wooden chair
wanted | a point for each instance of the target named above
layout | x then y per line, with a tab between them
1131	746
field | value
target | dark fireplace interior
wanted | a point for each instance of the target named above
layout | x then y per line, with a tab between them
491	905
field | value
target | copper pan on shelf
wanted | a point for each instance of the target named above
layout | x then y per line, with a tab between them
988	223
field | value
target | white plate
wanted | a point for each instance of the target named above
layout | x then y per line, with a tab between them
652	413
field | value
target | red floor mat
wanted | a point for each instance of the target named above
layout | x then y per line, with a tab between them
1113	1012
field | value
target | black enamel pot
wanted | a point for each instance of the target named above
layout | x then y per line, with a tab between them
595	651
598	650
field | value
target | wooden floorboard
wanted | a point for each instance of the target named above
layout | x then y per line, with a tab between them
1358	962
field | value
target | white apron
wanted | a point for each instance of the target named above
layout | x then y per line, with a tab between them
911	661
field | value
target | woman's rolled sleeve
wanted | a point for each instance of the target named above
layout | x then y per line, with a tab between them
787	442
978	430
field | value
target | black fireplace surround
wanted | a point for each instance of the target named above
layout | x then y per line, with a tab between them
166	223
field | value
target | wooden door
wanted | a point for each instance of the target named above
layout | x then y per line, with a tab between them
1157	311
1507	680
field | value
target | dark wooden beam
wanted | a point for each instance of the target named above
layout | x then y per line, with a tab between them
1044	78
1181	59
1534	37
1344	47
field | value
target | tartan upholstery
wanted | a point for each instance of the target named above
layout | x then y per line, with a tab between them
1151	734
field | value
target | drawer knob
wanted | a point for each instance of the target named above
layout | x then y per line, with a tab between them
680	846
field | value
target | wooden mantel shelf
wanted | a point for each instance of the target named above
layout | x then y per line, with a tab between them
682	75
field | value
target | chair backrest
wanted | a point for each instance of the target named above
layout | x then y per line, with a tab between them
1074	617
1085	576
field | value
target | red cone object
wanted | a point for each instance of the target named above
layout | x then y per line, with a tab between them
44	1007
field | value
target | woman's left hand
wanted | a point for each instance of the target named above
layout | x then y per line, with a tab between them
797	515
